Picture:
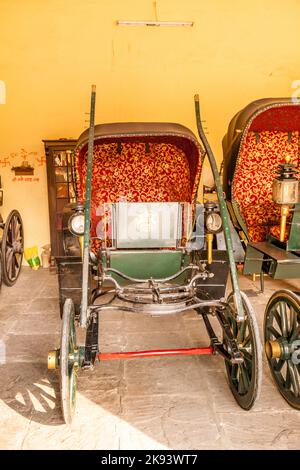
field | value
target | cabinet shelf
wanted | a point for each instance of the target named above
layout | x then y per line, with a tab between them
59	192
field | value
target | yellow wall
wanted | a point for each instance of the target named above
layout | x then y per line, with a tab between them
52	50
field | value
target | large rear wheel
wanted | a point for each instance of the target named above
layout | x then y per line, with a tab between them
282	343
244	377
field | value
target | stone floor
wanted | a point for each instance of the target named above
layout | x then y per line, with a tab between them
158	403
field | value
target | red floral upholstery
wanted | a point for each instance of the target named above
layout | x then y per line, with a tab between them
259	156
258	234
159	173
135	172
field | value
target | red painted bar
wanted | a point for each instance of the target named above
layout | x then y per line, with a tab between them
155	352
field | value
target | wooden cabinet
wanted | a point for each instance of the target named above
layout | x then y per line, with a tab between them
61	189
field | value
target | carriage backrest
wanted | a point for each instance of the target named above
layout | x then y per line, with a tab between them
138	172
139	162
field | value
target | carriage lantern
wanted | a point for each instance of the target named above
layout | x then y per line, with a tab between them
76	221
213	224
285	191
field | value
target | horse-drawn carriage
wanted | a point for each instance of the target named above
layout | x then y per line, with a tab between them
12	245
137	234
261	182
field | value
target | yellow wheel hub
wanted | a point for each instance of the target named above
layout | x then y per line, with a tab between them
52	359
273	349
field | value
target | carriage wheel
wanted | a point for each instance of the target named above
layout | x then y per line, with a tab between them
245	377
12	248
282	343
68	360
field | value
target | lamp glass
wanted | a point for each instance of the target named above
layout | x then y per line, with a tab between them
285	191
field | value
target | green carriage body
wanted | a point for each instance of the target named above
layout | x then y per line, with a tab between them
110	142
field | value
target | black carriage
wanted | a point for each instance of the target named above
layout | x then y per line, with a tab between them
136	240
261	182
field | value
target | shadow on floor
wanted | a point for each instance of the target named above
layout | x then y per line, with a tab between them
33	392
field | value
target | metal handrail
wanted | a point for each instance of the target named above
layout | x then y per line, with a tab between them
87	214
224	214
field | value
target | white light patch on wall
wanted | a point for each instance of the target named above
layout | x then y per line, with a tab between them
296	94
154	23
2	92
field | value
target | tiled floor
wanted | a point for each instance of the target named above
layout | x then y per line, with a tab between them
158	403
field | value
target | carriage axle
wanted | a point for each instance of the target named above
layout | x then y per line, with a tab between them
279	349
77	357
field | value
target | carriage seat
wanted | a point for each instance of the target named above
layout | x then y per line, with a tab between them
259	157
275	231
135	172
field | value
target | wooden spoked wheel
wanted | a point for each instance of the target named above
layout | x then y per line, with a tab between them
68	362
12	248
245	377
282	343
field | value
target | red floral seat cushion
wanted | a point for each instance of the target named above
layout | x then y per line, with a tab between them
259	157
275	232
259	233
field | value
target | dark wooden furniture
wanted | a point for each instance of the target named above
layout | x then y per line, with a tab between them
60	159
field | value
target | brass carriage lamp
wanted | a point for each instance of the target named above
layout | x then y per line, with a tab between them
285	191
76	223
213	225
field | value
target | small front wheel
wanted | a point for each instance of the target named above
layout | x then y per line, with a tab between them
245	377
68	362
